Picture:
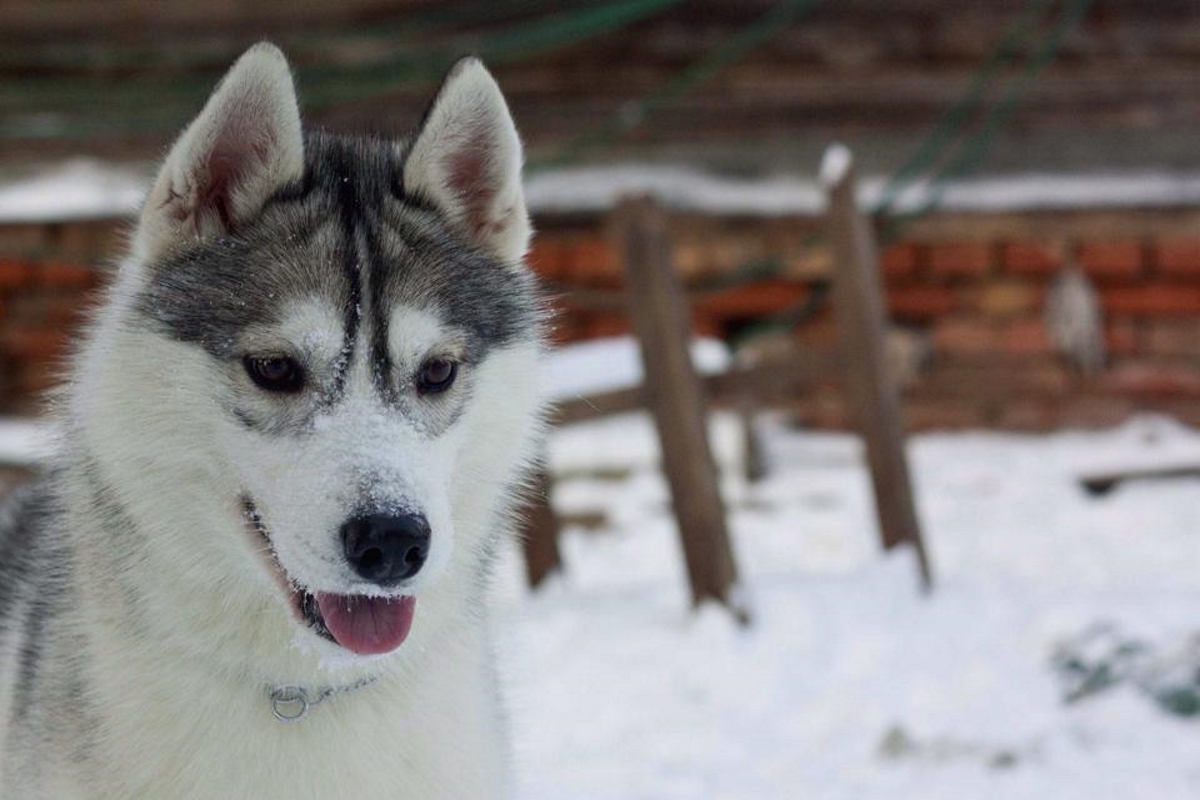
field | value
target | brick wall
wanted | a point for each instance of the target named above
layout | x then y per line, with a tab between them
969	289
47	273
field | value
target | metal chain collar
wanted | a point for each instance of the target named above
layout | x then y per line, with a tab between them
291	703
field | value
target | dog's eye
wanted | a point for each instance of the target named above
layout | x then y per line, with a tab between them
436	375
274	373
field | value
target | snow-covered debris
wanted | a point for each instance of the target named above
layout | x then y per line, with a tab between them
77	189
601	365
23	442
595	189
84	188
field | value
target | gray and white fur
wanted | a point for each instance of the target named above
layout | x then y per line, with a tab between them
149	584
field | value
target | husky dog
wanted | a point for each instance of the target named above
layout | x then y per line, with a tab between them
291	441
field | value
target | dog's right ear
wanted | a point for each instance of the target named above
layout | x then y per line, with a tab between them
245	145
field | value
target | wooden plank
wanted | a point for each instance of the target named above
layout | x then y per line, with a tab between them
861	321
1103	483
726	390
542	556
675	397
755	466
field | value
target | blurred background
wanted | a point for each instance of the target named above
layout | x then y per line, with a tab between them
1028	172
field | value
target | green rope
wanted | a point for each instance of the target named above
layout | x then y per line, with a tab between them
635	112
514	44
973	151
953	120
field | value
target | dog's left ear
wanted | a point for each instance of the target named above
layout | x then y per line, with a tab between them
245	145
466	159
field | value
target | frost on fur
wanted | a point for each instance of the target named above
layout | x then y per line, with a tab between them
467	160
244	146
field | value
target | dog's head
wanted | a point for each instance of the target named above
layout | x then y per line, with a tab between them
338	333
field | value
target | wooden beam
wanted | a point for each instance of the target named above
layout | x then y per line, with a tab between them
675	396
725	390
862	324
542	556
1103	483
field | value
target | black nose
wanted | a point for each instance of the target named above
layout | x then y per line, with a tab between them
385	549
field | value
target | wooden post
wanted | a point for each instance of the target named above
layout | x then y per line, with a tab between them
862	325
542	557
674	395
754	452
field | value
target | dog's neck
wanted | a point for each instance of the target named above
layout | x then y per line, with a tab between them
291	703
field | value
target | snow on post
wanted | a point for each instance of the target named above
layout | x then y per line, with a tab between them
835	165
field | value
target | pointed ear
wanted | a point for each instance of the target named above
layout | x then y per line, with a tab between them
245	145
466	159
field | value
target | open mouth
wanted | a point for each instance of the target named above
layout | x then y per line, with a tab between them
362	624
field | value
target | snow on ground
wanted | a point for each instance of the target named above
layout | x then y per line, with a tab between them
850	684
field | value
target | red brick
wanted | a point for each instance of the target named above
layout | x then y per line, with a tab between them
1123	336
753	300
707	325
692	259
1180	258
920	303
1033	258
593	260
1123	259
1172	337
965	337
13	273
1027	414
567	328
605	325
1027	337
926	415
1157	300
35	378
549	258
820	334
65	275
46	307
898	261
1140	379
734	251
1095	411
1005	298
992	376
1185	410
35	344
967	258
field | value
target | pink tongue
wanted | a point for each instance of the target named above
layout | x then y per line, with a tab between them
367	625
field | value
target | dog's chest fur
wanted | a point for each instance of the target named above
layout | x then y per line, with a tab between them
192	741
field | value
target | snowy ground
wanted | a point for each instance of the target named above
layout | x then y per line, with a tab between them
850	684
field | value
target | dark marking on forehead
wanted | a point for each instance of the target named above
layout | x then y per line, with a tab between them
338	172
381	354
